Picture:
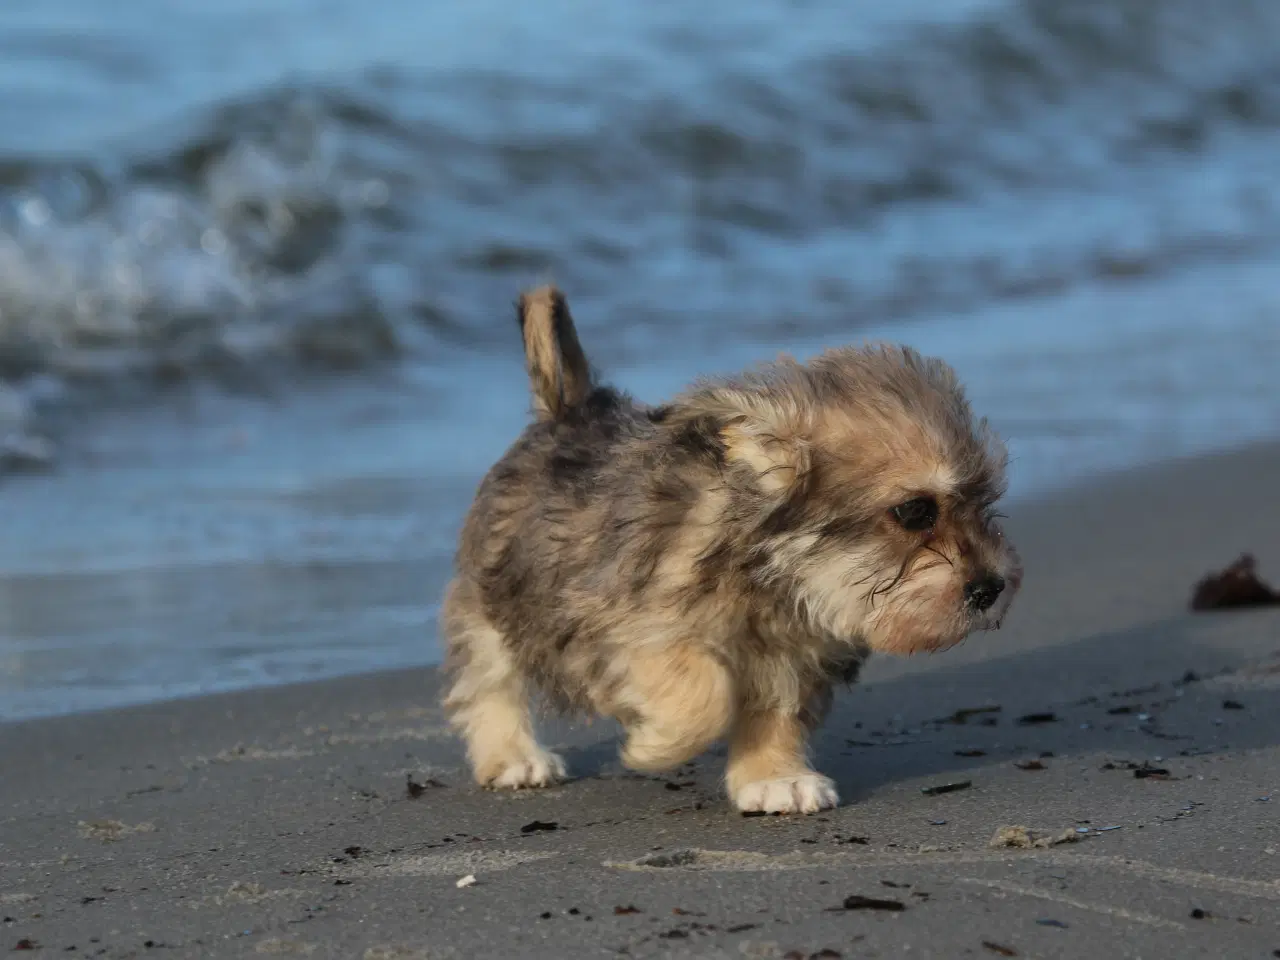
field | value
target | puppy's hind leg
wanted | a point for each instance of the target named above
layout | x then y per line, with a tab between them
488	703
675	704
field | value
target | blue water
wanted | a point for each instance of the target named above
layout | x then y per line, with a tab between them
257	260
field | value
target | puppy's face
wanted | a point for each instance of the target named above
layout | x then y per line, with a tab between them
924	562
882	489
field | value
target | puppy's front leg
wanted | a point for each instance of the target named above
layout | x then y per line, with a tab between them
768	771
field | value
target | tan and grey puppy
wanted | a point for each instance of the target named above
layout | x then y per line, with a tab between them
709	568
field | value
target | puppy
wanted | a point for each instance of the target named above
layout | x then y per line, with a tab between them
709	568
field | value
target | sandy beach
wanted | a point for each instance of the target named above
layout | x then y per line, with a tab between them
1135	740
257	264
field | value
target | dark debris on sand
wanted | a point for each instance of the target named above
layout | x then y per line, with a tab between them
941	788
540	826
413	790
1236	586
858	902
962	716
999	949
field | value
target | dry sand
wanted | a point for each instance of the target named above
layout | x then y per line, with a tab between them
277	822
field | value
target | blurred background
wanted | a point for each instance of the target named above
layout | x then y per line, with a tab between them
258	259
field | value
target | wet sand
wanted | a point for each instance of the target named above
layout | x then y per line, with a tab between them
277	821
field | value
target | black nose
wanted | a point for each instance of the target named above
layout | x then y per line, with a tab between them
983	592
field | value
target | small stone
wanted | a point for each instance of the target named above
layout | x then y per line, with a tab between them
1023	838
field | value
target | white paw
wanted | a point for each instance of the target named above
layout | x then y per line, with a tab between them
806	793
540	768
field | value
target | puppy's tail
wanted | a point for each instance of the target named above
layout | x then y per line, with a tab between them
558	370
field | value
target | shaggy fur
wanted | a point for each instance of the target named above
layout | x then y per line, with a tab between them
709	568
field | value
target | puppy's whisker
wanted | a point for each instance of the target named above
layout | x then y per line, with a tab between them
902	572
934	550
859	582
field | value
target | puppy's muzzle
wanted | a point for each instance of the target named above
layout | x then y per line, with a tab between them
982	593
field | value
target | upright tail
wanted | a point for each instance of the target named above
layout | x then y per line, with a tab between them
558	370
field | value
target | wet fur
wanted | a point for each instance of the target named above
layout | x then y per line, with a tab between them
711	567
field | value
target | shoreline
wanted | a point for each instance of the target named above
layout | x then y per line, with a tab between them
1034	511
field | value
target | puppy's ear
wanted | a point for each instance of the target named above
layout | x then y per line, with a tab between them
761	429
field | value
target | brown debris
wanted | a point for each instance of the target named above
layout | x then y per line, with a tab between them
999	948
624	911
942	788
1236	586
859	902
961	716
539	826
1141	771
414	790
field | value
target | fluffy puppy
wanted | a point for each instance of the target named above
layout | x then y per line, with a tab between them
709	568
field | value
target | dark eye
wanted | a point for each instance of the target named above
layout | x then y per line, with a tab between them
920	513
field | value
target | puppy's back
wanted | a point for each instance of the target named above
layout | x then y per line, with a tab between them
540	526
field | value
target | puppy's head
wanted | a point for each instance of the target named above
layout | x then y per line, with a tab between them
872	490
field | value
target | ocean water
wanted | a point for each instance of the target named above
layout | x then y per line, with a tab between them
257	262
